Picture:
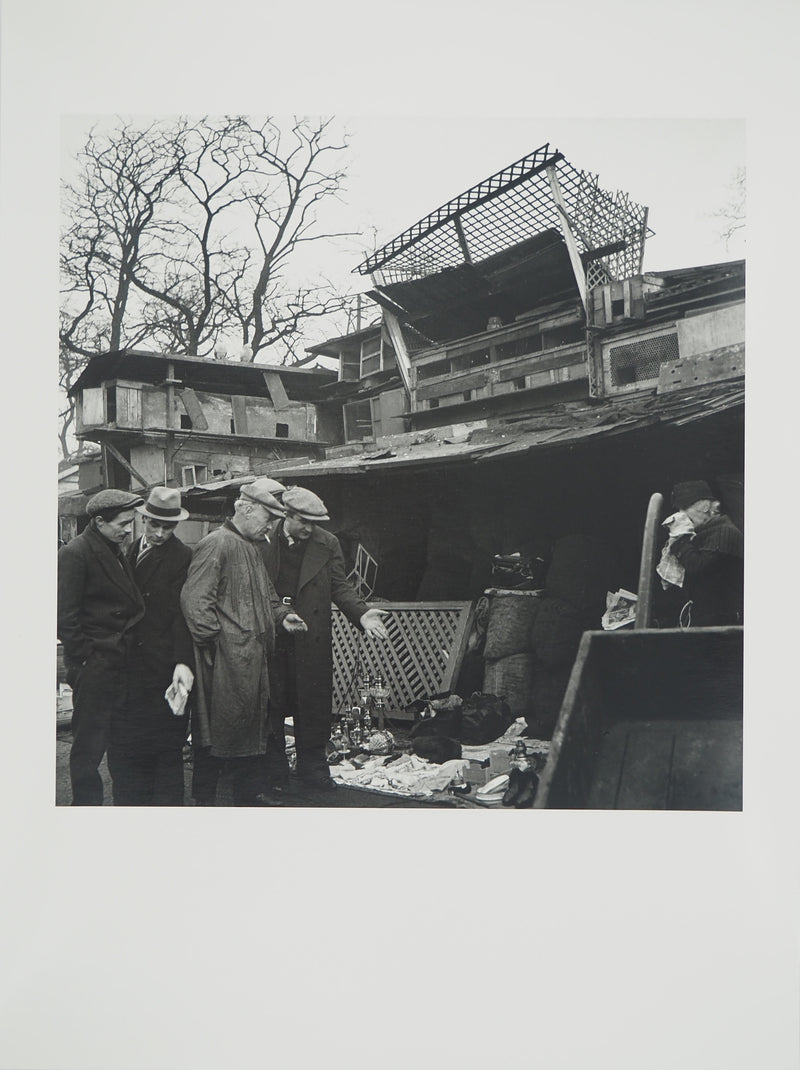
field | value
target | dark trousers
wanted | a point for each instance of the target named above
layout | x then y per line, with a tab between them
248	777
310	738
146	779
115	713
100	692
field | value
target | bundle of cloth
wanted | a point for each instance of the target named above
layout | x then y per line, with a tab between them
447	722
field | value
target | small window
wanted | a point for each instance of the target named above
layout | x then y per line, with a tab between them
357	421
186	422
281	430
349	365
433	403
370	356
233	427
467	395
617	308
191	474
519	384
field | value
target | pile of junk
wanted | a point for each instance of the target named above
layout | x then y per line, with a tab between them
488	743
471	749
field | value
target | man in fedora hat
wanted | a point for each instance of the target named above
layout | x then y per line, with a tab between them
232	610
708	550
99	606
306	565
149	736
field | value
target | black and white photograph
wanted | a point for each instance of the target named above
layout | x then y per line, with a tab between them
368	562
406	385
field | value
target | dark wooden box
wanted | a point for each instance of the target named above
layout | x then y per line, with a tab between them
651	720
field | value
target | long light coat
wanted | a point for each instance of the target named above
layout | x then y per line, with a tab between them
231	609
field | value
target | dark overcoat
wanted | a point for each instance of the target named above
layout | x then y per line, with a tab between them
99	603
162	636
714	580
162	641
322	581
231	609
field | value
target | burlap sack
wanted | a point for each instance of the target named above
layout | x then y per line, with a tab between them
511	678
511	618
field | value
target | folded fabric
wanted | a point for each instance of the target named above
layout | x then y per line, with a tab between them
669	568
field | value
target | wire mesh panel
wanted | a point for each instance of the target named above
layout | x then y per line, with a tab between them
511	206
640	360
421	657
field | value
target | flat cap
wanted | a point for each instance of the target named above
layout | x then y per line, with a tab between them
112	499
694	490
258	491
305	504
272	485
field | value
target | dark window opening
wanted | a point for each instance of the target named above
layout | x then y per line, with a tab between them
111	404
281	430
476	359
433	403
186	422
233	428
467	395
519	347
626	375
617	308
428	371
357	421
519	384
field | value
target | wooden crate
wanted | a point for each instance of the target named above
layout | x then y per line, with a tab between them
651	720
422	656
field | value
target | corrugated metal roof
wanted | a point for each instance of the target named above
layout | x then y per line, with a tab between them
552	428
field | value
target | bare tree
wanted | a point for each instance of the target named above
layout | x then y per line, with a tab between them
181	232
733	214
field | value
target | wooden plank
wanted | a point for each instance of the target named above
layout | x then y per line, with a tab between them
277	391
726	363
443	385
607	302
239	407
707	766
129	406
194	409
647	767
126	464
572	246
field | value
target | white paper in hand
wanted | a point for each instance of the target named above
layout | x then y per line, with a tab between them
176	695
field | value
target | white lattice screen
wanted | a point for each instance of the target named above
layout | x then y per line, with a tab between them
421	657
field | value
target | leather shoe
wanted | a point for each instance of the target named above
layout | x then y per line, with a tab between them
318	780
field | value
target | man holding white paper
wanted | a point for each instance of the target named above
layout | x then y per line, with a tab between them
151	735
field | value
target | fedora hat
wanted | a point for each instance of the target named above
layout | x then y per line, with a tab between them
305	504
164	503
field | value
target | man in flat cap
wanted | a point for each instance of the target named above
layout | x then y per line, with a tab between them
232	612
704	557
149	742
306	565
99	606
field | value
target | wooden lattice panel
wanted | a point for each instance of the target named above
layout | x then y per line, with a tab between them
422	656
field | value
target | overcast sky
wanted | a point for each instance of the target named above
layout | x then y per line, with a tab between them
400	168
